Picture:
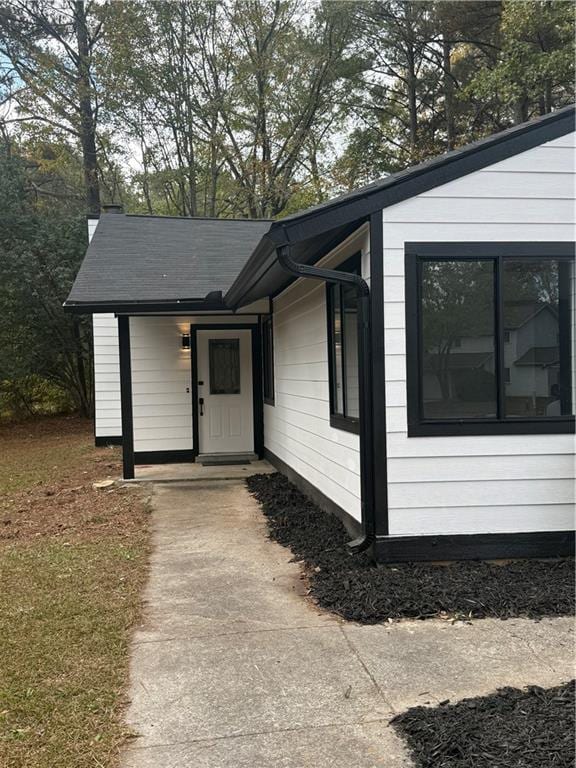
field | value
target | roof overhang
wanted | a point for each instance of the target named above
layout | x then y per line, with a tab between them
263	276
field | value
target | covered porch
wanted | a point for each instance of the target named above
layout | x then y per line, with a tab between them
191	394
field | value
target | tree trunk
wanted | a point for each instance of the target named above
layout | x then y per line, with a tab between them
448	94
87	123
412	105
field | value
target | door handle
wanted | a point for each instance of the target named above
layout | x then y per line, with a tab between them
201	404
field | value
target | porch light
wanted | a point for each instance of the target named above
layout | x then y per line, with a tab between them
185	341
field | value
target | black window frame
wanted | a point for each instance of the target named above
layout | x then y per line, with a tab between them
497	252
268	382
352	264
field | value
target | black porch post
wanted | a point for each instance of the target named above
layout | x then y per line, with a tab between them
126	397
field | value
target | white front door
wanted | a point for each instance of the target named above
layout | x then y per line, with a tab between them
225	395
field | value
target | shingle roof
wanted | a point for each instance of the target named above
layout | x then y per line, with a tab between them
161	258
543	356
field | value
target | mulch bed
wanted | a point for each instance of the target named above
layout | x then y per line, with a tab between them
354	588
531	728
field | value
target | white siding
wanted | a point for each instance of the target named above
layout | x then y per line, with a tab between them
108	417
107	412
509	483
297	428
162	404
161	380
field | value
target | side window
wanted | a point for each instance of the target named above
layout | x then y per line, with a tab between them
342	311
489	338
268	359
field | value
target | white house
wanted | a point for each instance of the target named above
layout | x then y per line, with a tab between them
404	353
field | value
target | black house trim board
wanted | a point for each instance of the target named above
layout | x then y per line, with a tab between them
126	398
378	374
100	442
479	546
163	457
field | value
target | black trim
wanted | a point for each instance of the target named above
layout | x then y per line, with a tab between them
177	306
100	442
352	525
257	394
268	378
479	546
560	249
378	374
342	420
450	428
194	390
163	457
257	402
345	423
495	252
126	398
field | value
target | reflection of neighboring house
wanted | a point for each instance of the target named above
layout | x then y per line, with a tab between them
531	351
531	357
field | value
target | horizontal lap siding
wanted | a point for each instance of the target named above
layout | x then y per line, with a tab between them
484	484
297	428
161	374
107	412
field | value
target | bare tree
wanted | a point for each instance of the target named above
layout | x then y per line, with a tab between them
51	46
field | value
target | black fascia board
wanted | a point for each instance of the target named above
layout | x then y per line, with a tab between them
142	307
421	178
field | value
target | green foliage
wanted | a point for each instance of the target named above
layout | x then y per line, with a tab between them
32	396
535	68
41	246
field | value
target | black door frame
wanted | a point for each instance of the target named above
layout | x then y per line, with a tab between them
257	384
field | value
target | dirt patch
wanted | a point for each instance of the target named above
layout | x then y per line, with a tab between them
531	728
352	587
48	469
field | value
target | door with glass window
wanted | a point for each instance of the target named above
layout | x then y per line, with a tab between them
225	394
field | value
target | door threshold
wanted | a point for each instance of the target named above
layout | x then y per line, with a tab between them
215	459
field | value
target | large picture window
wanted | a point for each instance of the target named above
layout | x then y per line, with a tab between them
489	338
342	310
268	359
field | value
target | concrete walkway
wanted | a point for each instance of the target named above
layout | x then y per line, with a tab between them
234	668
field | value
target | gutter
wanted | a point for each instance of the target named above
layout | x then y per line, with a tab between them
364	381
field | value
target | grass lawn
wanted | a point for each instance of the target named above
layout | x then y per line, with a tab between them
72	564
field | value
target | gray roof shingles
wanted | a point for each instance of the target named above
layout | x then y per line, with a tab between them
160	258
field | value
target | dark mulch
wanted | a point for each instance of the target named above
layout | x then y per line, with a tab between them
531	728
351	586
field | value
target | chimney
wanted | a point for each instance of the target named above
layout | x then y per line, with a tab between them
113	208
